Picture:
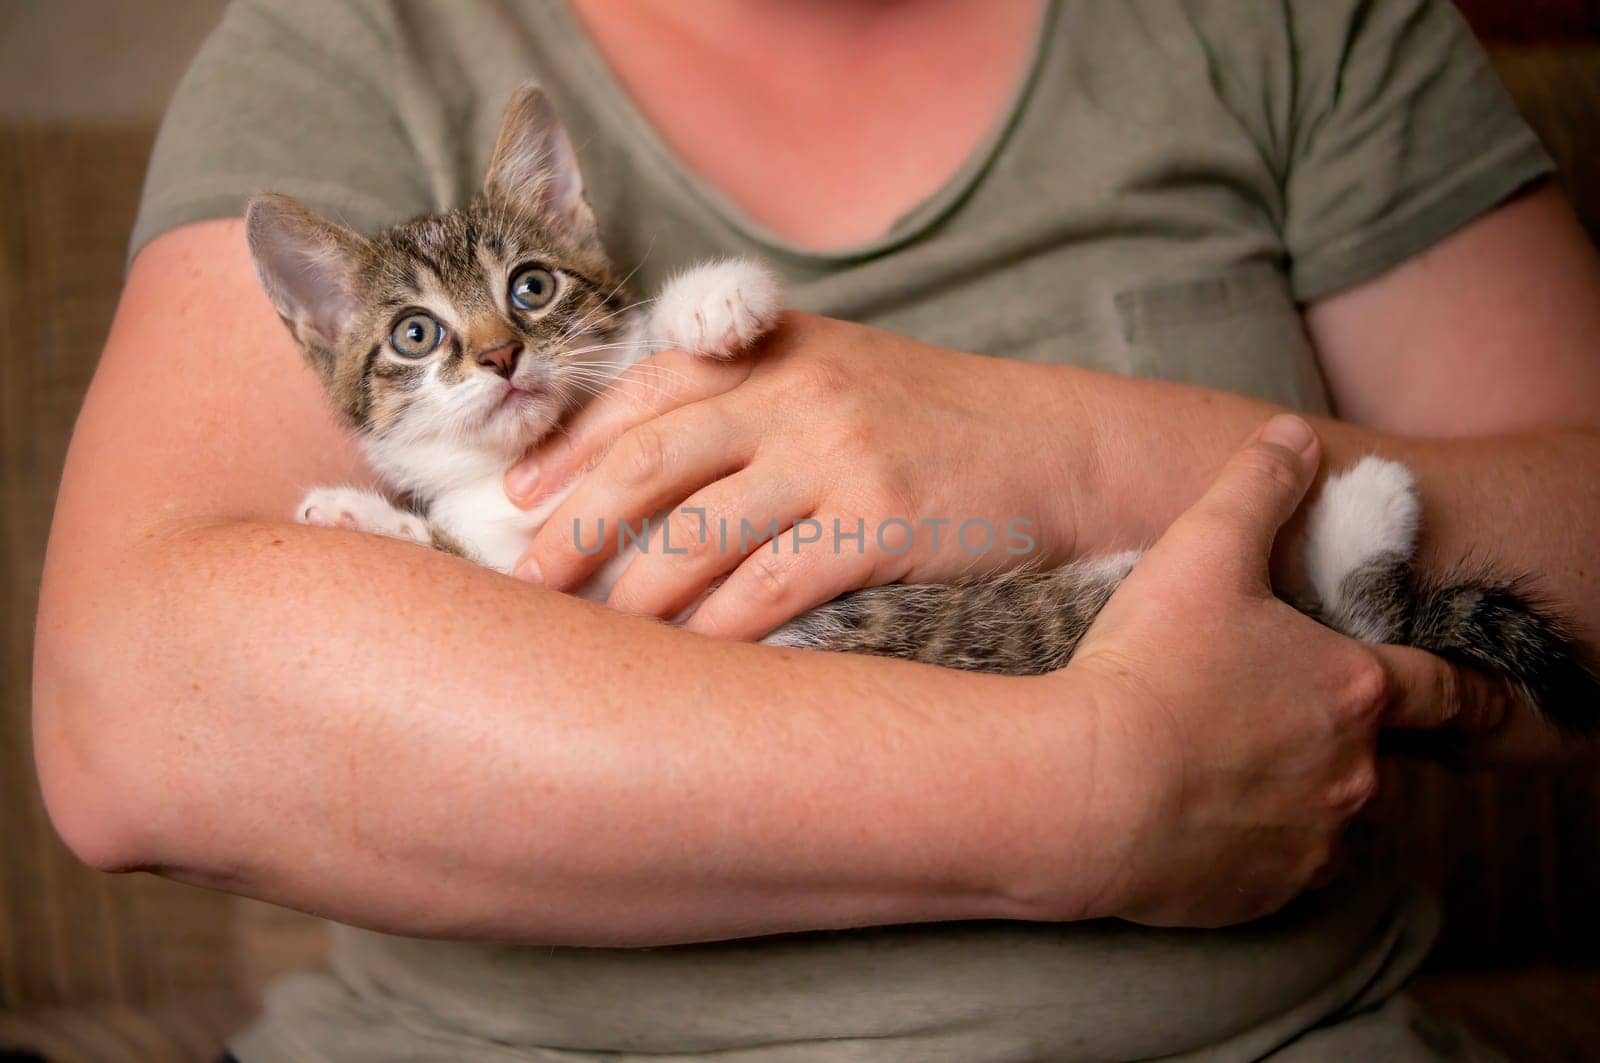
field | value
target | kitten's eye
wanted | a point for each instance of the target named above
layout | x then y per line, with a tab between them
416	335
533	288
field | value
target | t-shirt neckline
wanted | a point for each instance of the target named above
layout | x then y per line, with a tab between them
907	227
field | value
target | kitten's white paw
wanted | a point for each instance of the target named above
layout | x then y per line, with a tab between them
1369	513
368	511
718	308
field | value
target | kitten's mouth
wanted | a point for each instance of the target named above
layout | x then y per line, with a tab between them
520	390
518	398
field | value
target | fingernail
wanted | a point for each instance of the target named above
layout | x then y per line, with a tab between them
528	571
1287	430
522	479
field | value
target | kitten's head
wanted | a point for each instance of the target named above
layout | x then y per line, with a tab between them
477	327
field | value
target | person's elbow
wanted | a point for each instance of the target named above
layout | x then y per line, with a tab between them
99	784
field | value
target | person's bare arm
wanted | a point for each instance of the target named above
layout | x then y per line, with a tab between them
396	738
1477	363
392	737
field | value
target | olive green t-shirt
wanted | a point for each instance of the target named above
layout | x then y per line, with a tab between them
1171	181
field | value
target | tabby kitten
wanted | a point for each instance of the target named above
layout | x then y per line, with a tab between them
454	342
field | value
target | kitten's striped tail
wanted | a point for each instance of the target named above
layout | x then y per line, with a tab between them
1360	541
1497	626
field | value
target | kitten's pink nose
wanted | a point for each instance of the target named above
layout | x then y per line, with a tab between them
502	359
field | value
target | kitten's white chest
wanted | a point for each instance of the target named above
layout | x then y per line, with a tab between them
485	521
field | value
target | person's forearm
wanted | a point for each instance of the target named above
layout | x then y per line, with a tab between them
397	739
1518	504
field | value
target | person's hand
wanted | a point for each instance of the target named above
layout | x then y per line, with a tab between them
829	421
1237	737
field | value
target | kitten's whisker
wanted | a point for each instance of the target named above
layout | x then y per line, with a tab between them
612	341
601	382
657	377
621	385
636	268
605	372
654	348
587	388
629	345
608	296
619	285
666	373
647	388
586	323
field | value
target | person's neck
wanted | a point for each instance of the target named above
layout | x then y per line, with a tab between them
786	31
825	120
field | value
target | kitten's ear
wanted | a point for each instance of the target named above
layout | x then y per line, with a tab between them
308	265
534	166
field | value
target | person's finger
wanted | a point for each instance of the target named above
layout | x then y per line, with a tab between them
770	588
707	537
652	466
644	391
1237	519
1428	693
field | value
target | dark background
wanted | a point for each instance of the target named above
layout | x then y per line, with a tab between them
1533	20
98	967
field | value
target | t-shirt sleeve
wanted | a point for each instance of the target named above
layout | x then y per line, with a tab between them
289	96
1403	134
